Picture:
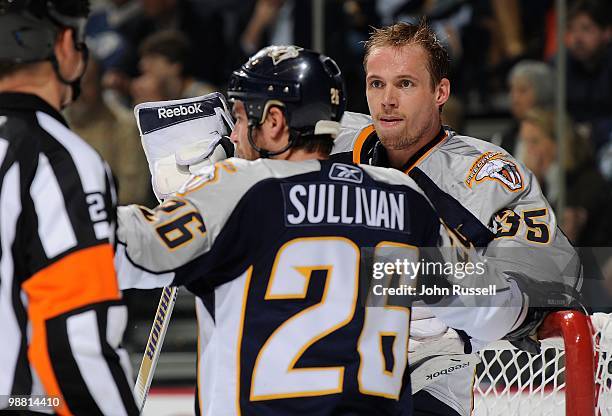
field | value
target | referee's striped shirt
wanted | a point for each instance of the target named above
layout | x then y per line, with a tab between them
61	312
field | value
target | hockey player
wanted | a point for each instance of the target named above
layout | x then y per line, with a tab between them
271	249
477	188
62	314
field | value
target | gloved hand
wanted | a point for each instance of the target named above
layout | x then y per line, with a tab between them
180	137
540	299
435	350
431	359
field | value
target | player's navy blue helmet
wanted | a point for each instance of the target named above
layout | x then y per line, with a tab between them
307	85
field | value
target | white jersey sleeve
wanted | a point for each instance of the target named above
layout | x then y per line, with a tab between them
508	213
174	243
484	194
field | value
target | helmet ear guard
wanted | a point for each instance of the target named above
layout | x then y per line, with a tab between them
322	127
259	94
327	127
269	104
253	123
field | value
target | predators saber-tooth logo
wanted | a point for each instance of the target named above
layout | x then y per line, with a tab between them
494	166
282	53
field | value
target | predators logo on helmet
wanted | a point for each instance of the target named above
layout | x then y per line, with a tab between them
280	53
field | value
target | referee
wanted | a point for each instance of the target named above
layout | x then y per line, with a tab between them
62	314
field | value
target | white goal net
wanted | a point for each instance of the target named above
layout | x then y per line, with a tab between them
570	377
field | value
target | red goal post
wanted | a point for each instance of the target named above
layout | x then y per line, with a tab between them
573	372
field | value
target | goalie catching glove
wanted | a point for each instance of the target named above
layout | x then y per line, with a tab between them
180	137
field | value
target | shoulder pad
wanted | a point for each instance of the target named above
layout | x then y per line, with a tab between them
352	125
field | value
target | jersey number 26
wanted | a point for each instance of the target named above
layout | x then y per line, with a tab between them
275	376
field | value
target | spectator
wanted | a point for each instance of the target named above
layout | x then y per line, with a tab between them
492	42
286	22
113	33
166	63
586	220
589	70
447	18
507	36
114	136
264	15
202	23
604	158
352	21
109	31
117	30
531	84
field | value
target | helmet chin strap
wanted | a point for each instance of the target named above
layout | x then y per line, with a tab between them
264	153
75	85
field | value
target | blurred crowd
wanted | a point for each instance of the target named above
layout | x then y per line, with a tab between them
503	65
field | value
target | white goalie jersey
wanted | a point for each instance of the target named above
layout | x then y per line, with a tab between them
488	197
482	193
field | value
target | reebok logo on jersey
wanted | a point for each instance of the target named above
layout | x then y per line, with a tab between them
181	110
345	173
494	166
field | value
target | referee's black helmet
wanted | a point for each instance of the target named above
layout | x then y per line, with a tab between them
29	28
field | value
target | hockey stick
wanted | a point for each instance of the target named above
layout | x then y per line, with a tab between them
154	345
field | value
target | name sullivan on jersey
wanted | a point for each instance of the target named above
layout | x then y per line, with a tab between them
328	204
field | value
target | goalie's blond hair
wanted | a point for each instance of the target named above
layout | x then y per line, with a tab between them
403	34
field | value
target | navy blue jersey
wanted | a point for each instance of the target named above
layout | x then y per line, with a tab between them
273	251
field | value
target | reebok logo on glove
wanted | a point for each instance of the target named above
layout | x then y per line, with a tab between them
181	110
